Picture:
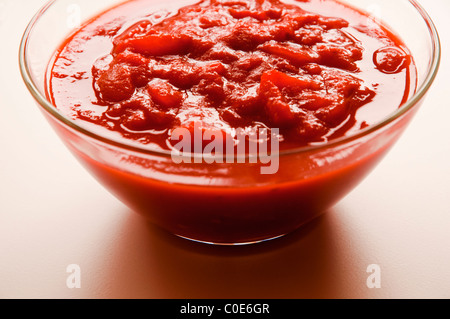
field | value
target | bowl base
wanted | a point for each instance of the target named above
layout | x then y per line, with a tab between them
231	244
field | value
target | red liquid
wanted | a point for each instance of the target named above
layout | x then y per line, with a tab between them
326	78
232	210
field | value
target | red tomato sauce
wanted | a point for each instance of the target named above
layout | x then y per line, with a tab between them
228	64
316	70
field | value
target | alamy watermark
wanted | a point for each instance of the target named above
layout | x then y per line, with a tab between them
74	279
253	146
73	16
374	279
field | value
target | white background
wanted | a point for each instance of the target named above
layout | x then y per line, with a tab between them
53	214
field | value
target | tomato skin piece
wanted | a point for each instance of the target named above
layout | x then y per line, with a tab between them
283	80
158	44
164	94
116	84
391	60
295	54
280	113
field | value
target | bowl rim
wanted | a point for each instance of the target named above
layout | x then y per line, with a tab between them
403	109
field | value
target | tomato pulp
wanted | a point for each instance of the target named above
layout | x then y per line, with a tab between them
314	70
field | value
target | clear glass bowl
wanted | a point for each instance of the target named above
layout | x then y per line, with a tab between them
228	203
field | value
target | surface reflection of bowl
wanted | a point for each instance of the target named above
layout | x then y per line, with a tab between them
229	203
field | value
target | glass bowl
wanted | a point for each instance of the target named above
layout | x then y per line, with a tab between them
228	203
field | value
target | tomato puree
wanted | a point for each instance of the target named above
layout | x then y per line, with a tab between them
228	64
314	70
